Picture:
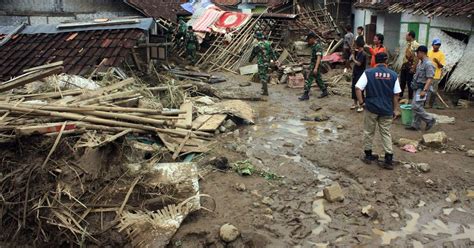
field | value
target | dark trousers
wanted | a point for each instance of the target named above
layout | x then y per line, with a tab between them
405	81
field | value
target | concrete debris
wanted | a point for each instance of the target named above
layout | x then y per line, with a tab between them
443	119
222	129
230	125
333	193
229	233
315	107
395	215
245	84
435	140
421	204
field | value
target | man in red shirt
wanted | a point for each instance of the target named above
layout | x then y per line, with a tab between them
378	48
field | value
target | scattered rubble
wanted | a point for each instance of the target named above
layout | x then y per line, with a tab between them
470	153
370	212
452	197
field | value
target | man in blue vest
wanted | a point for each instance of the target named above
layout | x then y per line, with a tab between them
382	90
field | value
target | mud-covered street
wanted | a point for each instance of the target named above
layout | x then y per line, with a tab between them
405	207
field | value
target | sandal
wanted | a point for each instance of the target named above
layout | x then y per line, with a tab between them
360	109
353	106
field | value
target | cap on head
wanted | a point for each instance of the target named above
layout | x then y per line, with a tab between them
311	35
436	41
381	58
423	49
259	35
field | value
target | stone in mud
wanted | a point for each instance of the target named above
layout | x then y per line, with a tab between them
403	142
288	144
435	140
236	133
333	193
268	217
240	187
245	84
229	233
470	153
370	212
222	129
340	127
230	125
268	211
452	197
267	201
423	167
315	107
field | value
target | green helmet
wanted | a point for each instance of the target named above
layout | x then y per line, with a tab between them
259	35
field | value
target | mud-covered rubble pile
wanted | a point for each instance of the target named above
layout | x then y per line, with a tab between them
87	162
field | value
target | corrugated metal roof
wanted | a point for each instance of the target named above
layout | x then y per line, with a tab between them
81	51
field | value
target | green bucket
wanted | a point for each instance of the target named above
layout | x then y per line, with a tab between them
407	116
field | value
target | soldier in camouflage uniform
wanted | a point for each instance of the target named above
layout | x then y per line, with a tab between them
191	43
314	68
265	55
181	32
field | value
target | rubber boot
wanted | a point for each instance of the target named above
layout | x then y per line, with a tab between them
324	94
305	95
368	158
388	162
265	88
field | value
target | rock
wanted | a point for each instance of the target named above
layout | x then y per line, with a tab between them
289	144
395	215
205	100
470	153
229	233
340	127
421	204
222	129
255	193
236	133
333	193
423	167
221	163
452	197
472	138
429	181
315	107
268	217
403	142
240	187
268	211
230	124
267	201
327	130
435	140
370	211
407	165
245	84
256	205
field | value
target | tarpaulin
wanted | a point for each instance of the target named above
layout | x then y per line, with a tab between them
232	20
205	21
333	58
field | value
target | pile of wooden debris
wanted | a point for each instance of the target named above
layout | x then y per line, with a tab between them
87	162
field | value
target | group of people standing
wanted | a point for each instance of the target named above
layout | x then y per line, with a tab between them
420	74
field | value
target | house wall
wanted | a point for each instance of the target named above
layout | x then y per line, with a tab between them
392	31
36	12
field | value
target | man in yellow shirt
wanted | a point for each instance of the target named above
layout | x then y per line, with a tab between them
439	61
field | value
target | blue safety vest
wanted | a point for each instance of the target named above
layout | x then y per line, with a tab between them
379	90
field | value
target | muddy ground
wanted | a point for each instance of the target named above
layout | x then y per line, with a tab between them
410	207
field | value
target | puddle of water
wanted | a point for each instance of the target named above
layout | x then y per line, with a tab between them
323	218
408	229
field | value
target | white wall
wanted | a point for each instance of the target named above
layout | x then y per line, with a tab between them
392	31
361	18
380	25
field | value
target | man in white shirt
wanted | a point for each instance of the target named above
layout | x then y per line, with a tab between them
382	90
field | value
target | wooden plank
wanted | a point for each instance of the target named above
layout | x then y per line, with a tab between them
197	123
46	66
213	123
180	147
29	78
188	121
283	56
44	128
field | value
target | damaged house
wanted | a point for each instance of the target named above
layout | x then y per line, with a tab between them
451	22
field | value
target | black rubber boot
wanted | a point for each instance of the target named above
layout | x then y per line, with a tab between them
368	158
324	94
305	96
388	162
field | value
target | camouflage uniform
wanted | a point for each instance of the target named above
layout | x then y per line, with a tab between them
182	29
316	51
191	45
264	52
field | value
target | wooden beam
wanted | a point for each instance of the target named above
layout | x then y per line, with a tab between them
29	78
46	66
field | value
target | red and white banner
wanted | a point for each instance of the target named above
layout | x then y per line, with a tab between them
232	20
204	22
